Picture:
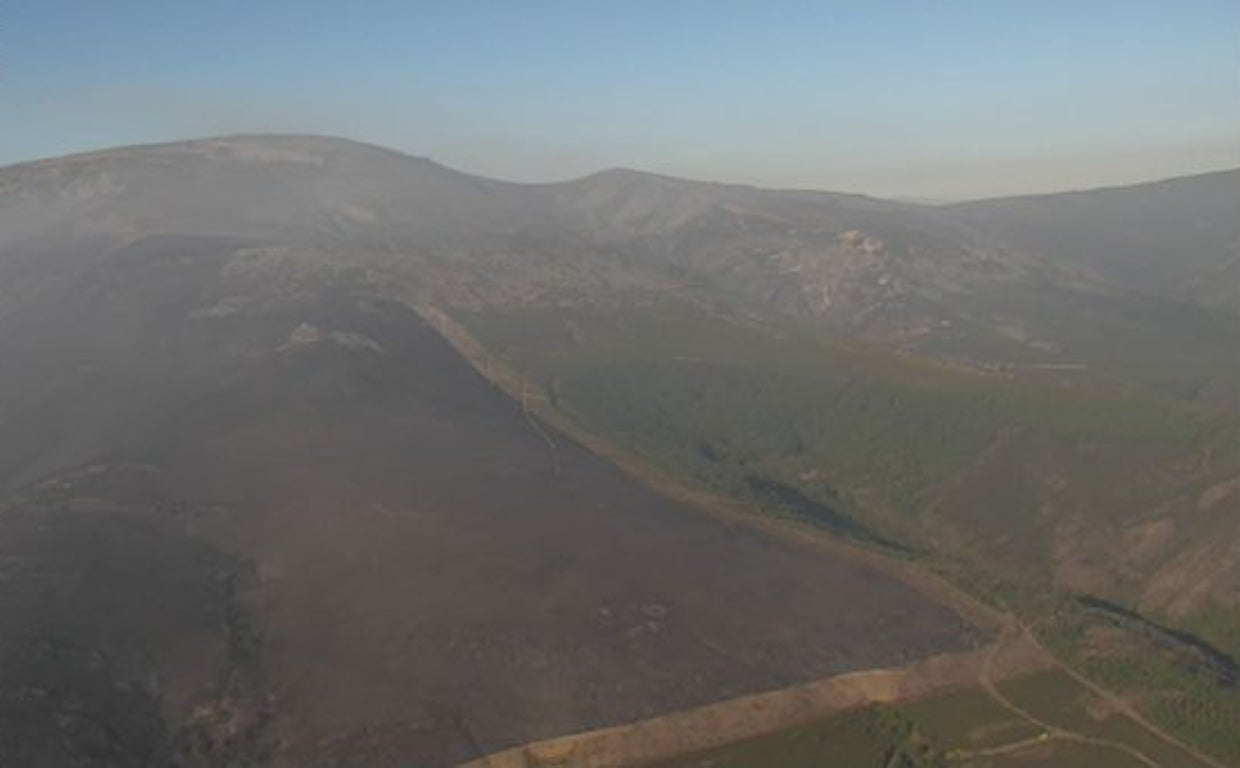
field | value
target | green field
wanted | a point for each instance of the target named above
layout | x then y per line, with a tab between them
962	729
968	720
868	737
1060	755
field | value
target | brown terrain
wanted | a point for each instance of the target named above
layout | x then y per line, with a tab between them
351	549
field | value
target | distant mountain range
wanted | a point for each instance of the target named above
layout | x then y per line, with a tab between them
1080	277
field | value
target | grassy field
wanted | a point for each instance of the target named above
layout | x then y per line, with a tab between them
962	729
1058	755
1172	686
870	737
1053	697
1058	700
968	720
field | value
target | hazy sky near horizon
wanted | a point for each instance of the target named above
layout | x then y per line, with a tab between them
930	98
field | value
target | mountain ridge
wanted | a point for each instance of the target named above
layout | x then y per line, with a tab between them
617	170
956	282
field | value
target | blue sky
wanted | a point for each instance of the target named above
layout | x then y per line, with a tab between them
936	98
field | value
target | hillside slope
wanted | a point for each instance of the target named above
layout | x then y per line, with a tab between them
255	511
209	345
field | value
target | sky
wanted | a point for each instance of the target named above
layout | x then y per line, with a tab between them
938	99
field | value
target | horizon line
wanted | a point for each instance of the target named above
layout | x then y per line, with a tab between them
926	201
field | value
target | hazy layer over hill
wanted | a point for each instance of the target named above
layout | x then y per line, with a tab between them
209	368
1105	278
1178	238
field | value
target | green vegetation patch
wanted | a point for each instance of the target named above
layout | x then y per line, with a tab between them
1060	754
901	450
1052	696
967	720
870	738
1179	693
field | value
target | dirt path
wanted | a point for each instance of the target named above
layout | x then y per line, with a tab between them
537	426
483	361
726	722
1014	632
